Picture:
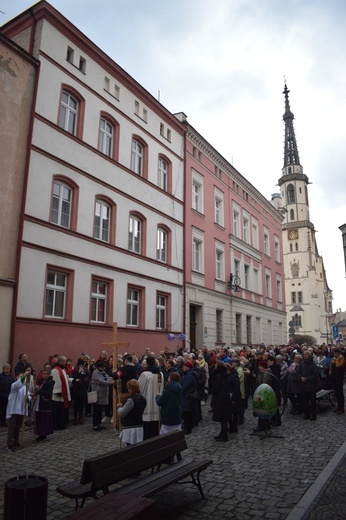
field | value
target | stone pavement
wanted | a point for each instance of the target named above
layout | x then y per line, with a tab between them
291	478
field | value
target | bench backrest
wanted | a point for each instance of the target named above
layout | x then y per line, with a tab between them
114	466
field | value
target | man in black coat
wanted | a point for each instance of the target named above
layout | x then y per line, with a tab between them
309	377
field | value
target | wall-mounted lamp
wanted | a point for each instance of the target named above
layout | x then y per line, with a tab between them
234	283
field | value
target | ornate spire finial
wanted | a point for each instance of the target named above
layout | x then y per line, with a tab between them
291	155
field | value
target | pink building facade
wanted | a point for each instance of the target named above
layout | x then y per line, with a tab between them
231	230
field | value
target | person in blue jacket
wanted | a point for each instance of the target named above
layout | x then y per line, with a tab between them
170	404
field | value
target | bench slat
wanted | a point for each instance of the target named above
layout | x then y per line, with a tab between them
155	482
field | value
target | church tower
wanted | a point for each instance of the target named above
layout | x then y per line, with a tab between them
308	298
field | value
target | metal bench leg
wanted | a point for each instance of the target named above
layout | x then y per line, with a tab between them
196	481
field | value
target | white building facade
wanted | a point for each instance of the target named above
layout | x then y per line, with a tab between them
103	217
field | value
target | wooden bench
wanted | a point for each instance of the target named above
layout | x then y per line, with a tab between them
110	507
324	394
113	467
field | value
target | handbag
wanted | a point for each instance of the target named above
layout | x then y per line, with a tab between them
92	395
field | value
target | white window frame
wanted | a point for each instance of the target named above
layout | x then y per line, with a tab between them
62	205
278	290
277	249
106	141
218	207
161	244
135	234
102	220
266	242
56	291
162	174
236	221
98	300
255	280
197	192
268	285
254	233
161	312
133	307
68	116
247	277
137	155
246	228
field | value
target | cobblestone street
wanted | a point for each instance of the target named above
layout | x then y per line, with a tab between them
249	478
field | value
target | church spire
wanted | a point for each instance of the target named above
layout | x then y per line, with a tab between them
291	155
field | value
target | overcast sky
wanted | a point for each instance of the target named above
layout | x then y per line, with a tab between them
223	63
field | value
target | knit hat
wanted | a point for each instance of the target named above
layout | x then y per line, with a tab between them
188	364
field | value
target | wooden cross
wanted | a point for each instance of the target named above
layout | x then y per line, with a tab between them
116	390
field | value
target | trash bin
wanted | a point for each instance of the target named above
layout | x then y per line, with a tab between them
25	497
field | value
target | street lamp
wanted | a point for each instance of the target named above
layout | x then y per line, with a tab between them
234	283
343	231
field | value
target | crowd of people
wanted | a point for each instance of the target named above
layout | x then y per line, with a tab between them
159	393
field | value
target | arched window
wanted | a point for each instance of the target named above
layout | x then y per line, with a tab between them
291	248
162	244
108	136
136	233
64	203
162	174
104	220
292	214
71	111
291	195
139	158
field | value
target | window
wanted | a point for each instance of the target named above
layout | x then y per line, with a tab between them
277	249
56	286
197	192
70	54
219	326
135	228
278	291
137	158
161	245
236	267
68	113
297	320
292	214
196	196
236	230
246	235
268	286
247	277
291	196
98	301
196	255
218	207
291	248
255	234
296	246
106	138
102	221
133	296
162	174
82	64
161	311
255	280
61	204
219	265
300	297
266	243
293	298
